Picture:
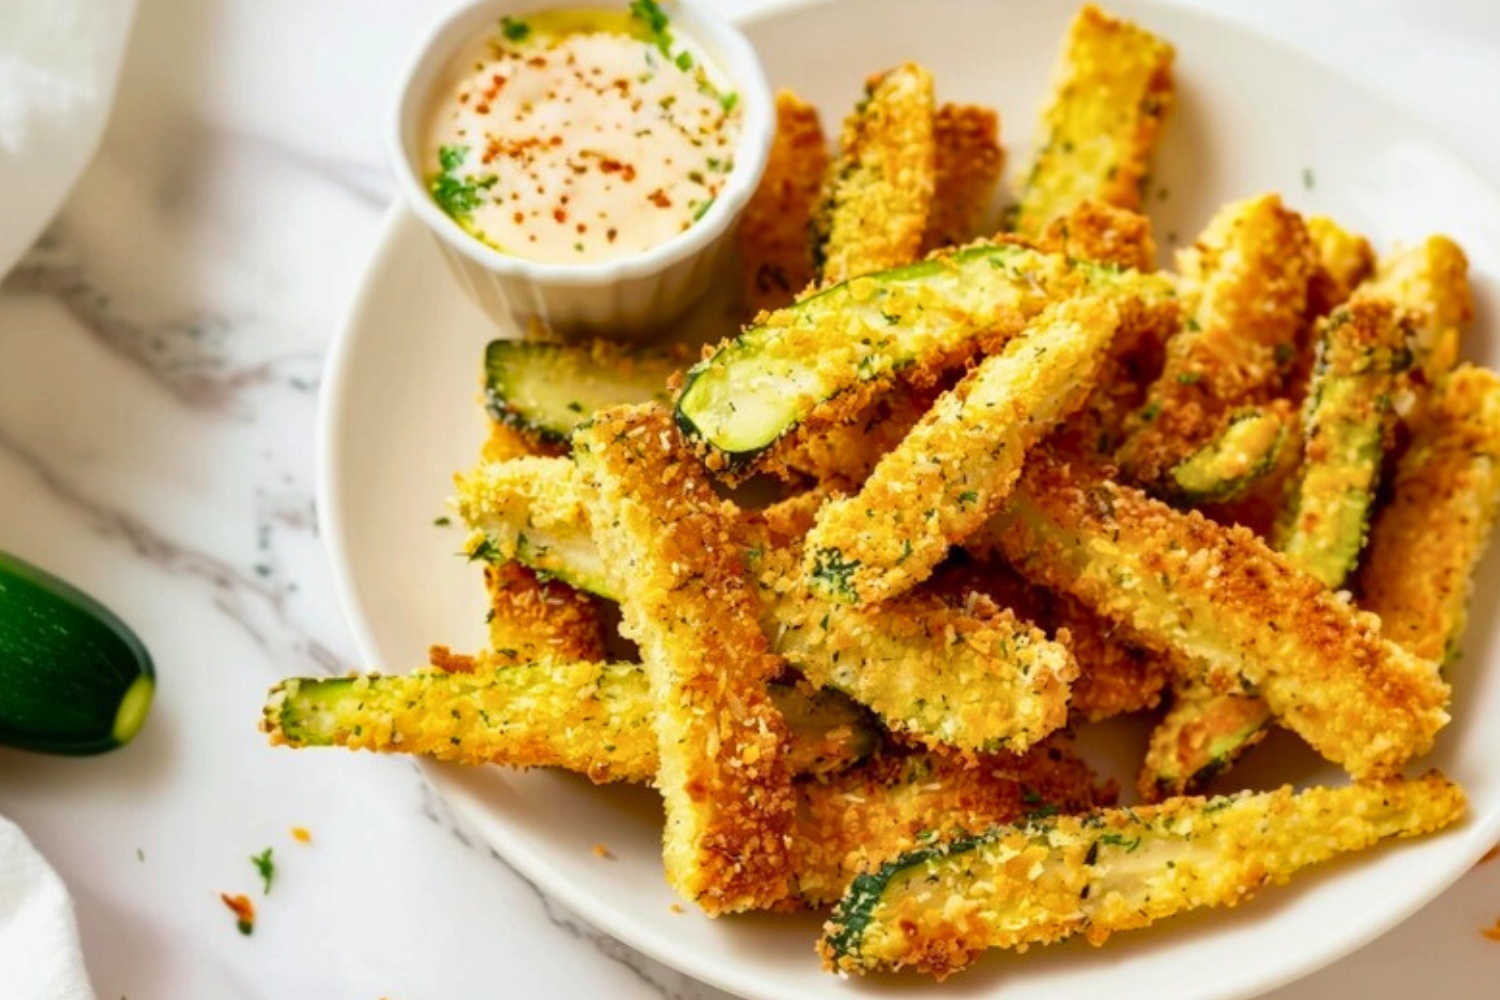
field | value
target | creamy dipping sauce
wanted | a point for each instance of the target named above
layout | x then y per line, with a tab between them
577	136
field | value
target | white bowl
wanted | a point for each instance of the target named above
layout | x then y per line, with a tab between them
399	416
624	297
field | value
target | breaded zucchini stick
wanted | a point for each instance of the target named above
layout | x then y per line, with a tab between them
1244	298
1432	280
772	235
965	675
936	909
1231	611
969	162
1346	424
956	466
593	718
1201	735
534	617
817	363
877	194
1113	91
721	741
1425	545
1104	234
892	804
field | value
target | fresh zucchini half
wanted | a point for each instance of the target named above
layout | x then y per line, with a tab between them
1204	593
1201	735
74	679
793	364
593	718
1225	468
1347	421
547	389
937	908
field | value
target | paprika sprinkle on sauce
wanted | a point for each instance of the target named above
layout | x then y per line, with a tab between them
581	135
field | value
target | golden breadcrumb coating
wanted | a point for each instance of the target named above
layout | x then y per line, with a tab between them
877	193
1112	93
938	908
969	163
1418	574
1093	230
1344	260
1230	610
891	804
951	472
772	236
722	743
1244	298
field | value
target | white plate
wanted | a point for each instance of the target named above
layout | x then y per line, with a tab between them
400	416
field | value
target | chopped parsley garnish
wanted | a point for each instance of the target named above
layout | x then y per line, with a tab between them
655	21
485	551
832	568
702	209
454	195
684	61
1308	181
514	29
266	867
728	100
442	522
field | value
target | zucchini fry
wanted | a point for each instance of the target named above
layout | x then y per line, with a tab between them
1230	611
1201	735
721	741
936	672
969	162
544	389
1418	575
1346	425
937	908
817	363
772	235
1431	280
1113	91
961	458
592	718
1244	295
1246	449
877	194
534	617
891	804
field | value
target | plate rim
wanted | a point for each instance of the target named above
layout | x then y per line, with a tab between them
1481	833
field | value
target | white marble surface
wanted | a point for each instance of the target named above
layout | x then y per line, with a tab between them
159	369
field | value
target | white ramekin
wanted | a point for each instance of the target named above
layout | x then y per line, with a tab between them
627	297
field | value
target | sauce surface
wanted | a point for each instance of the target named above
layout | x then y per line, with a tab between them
579	136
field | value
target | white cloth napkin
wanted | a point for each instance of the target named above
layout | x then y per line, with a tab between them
39	954
59	61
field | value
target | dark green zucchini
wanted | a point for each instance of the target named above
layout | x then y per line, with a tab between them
1202	734
547	389
74	679
762	384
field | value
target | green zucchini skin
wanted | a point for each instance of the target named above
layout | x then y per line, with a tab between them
1224	468
74	679
546	389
